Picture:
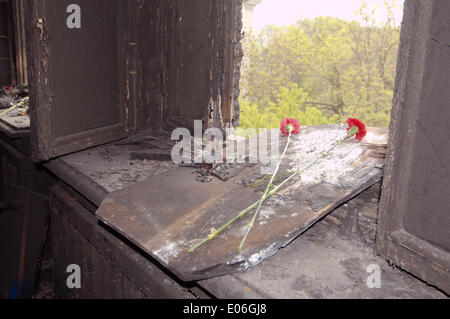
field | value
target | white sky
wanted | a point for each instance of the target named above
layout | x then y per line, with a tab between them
282	12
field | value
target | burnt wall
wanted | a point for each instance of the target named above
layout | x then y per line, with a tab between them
186	63
6	50
155	28
13	62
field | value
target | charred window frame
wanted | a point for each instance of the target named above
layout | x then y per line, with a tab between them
13	63
413	230
178	61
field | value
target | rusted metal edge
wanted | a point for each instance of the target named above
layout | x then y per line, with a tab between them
80	182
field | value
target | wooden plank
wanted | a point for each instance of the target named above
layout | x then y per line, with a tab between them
166	214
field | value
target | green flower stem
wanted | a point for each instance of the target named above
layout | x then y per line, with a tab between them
261	180
266	192
268	195
15	106
252	223
239	216
221	229
9	110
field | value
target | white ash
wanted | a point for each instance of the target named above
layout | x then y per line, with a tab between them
256	259
331	169
266	212
169	251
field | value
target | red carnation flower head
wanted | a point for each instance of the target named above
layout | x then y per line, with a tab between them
356	128
7	88
290	126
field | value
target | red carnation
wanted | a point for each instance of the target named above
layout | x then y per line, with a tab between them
290	126
7	88
357	124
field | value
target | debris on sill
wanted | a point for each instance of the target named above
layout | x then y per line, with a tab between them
14	106
10	96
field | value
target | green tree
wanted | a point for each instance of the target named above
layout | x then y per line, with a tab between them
321	71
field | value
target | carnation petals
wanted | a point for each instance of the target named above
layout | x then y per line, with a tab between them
361	128
290	122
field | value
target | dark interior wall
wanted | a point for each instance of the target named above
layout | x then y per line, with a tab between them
5	42
186	63
155	29
13	61
238	54
91	49
194	61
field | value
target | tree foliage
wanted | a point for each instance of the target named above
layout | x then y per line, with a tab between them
320	71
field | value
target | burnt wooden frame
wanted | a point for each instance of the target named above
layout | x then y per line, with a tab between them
233	54
8	67
419	95
156	46
20	76
223	55
44	143
15	36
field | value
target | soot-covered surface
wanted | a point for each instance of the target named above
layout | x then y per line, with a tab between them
166	214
